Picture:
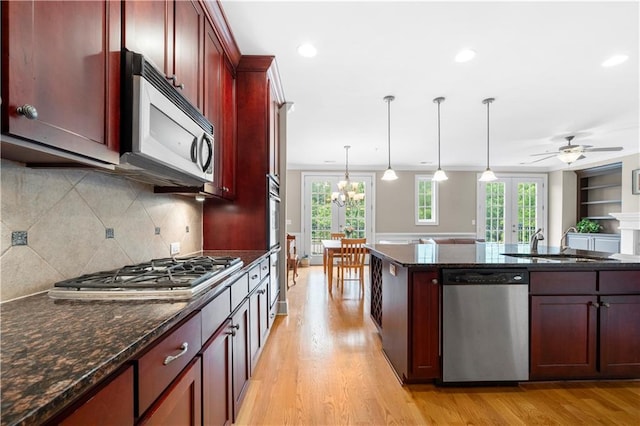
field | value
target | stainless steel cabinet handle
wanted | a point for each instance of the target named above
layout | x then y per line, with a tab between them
169	359
253	277
236	326
434	281
29	111
594	304
232	333
179	86
605	304
262	291
172	79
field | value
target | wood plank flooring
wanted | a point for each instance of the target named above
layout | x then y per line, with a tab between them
323	365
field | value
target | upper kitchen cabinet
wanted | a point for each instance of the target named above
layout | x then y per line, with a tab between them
258	97
61	88
170	34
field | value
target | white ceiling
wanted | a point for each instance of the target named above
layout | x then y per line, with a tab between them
541	61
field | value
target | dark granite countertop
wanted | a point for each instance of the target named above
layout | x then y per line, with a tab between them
54	350
490	255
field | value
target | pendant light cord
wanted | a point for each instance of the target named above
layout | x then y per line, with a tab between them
389	129
438	135
488	134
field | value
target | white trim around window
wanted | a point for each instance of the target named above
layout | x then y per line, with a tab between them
434	205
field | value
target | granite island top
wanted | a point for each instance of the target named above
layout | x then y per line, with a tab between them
54	350
492	255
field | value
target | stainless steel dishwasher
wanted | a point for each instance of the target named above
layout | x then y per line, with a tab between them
485	325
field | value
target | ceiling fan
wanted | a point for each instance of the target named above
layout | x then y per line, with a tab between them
570	153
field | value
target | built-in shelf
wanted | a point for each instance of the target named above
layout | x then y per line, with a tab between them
599	194
611	185
602	202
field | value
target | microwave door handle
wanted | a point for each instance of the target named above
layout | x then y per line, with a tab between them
205	166
194	150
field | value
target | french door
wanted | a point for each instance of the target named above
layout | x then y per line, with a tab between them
511	209
322	216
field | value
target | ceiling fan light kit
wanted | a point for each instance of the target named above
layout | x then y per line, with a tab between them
389	174
570	153
439	175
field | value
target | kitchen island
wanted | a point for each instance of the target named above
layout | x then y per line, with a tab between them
584	307
57	353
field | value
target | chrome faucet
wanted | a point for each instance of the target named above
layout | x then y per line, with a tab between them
533	243
564	238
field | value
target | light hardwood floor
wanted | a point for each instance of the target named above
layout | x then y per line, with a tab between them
323	365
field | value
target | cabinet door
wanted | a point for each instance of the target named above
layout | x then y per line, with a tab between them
241	356
212	107
112	405
254	327
606	244
147	27
188	51
579	242
228	140
425	326
216	378
181	403
274	134
620	336
72	82
563	336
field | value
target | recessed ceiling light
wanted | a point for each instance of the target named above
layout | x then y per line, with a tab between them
465	55
615	60
307	50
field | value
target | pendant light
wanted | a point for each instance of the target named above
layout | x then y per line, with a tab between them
389	174
488	175
439	175
346	194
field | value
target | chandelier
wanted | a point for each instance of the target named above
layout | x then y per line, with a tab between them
346	194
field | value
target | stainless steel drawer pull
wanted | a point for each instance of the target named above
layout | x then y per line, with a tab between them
169	359
253	277
605	304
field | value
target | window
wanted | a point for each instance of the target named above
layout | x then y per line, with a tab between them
426	200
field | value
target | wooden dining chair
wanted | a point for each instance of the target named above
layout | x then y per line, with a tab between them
292	258
338	235
352	254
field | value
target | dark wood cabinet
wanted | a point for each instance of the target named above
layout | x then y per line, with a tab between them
216	378
259	317
171	35
425	325
61	92
111	405
585	324
243	226
395	316
181	403
228	150
241	359
563	336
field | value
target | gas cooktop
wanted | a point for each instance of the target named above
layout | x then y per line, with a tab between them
167	278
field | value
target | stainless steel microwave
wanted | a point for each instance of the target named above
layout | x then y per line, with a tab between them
165	140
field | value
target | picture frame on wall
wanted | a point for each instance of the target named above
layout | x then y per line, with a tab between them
635	181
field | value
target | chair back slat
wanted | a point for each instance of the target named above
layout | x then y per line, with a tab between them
352	251
338	235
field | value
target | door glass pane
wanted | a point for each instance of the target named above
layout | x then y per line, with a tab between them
355	226
494	215
527	211
321	214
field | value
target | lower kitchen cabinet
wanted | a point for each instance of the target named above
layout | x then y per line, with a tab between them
216	378
425	326
395	316
583	327
241	359
259	317
181	404
112	405
608	243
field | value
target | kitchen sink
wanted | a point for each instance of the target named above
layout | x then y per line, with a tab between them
558	257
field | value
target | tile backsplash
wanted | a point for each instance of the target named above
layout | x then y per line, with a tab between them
68	214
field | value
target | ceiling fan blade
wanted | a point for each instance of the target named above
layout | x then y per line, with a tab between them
545	153
549	155
610	148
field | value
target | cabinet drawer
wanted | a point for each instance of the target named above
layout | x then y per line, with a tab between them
254	277
562	282
239	290
264	269
156	370
619	282
215	313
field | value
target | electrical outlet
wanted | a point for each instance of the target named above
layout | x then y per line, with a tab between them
174	248
473	221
